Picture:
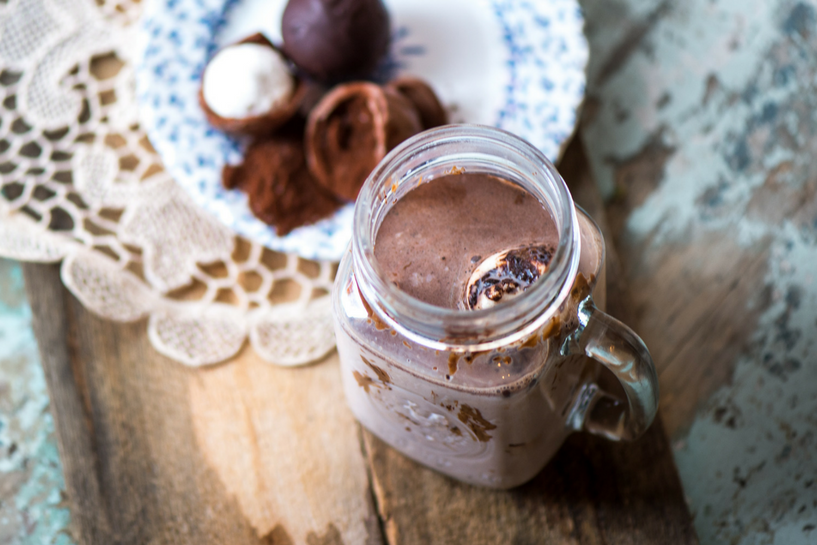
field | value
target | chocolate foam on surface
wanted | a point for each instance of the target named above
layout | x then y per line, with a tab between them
434	238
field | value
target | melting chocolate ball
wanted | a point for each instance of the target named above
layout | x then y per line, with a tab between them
505	275
336	40
351	130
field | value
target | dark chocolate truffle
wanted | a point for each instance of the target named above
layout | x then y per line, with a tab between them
336	40
432	113
279	187
351	130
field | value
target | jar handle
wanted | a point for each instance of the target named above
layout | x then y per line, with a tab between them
617	347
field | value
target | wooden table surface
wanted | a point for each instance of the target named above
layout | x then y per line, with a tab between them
247	452
700	132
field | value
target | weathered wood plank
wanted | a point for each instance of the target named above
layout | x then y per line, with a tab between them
682	160
703	136
593	492
158	453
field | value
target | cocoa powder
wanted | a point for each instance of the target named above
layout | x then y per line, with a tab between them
278	184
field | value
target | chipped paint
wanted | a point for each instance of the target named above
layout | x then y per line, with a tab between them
674	59
31	509
718	99
749	462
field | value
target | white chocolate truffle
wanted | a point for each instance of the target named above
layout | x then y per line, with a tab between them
247	80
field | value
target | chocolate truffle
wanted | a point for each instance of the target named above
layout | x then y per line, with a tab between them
351	130
432	113
247	88
336	40
279	187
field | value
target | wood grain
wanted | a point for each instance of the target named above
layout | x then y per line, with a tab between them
154	452
592	492
688	293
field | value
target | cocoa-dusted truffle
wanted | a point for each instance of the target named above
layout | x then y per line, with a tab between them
432	113
351	130
279	187
247	88
336	40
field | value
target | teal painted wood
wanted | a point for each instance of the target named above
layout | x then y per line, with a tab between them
722	96
32	510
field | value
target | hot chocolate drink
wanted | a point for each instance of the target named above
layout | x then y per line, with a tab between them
436	244
463	315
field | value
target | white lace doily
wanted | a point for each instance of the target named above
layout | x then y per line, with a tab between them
79	183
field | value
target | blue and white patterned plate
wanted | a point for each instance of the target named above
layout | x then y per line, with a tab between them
515	64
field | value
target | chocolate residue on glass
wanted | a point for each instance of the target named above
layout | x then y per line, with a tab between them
365	381
476	422
381	374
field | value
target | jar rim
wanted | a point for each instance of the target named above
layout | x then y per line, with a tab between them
459	329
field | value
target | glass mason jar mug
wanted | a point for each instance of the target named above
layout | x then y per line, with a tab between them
486	396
